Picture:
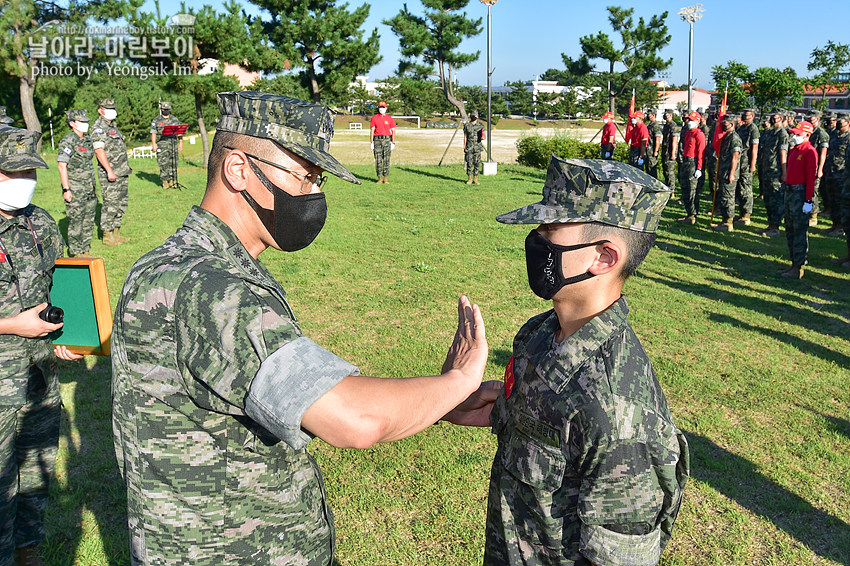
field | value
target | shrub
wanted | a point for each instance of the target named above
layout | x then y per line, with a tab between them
535	150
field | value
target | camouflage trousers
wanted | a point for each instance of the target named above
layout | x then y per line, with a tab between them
744	190
115	198
690	195
29	439
796	224
842	202
80	212
383	149
607	148
166	156
816	198
772	190
670	173
708	173
725	198
472	158
652	166
634	157
830	192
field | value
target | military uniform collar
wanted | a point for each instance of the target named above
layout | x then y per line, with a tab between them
19	219
557	363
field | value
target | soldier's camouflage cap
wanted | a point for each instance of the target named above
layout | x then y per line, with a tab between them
18	149
4	118
164	105
815	113
77	115
729	118
304	128
107	103
595	190
473	114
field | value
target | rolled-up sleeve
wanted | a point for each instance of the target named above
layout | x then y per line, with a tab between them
288	382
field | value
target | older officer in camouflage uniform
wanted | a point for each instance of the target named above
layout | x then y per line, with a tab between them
590	467
749	133
29	388
113	171
166	147
834	172
473	135
773	158
74	161
728	169
669	148
216	391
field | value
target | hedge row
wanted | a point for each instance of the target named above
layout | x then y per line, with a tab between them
535	150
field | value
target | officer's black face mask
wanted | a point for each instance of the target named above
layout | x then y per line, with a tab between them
295	221
545	270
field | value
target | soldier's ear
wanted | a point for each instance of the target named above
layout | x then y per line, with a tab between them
235	170
608	259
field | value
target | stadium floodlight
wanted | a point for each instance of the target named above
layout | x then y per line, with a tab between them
691	14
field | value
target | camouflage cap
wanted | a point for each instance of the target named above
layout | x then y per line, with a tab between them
595	190
107	103
729	118
77	115
18	149
304	128
473	114
164	105
4	118
815	113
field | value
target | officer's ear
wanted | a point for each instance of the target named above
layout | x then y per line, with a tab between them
235	169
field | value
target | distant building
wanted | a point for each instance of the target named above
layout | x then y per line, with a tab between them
549	87
676	99
837	97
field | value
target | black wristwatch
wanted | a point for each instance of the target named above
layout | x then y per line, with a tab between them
66	190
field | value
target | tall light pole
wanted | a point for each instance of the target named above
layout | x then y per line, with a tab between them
691	14
489	4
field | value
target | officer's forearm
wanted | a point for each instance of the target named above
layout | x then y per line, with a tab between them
63	173
100	153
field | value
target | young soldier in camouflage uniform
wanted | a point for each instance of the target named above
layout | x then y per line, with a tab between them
728	168
749	134
217	392
113	171
834	172
710	176
706	131
773	157
590	467
167	147
669	148
29	387
473	134
820	141
799	194
382	141
76	174
656	134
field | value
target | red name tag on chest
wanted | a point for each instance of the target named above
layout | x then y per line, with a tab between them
2	257
81	148
509	378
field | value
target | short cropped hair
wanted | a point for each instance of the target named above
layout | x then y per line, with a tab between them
221	142
637	244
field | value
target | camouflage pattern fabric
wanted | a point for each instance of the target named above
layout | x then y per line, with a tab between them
18	149
725	199
634	158
819	140
833	173
473	148
206	484
383	149
595	190
590	466
29	388
749	134
105	135
4	118
843	201
78	154
669	137
796	224
655	131
690	195
166	147
770	173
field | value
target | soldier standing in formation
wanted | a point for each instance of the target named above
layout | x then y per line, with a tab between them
382	142
74	161
748	132
655	136
773	159
113	171
710	176
473	136
820	141
166	147
669	149
583	419
799	194
216	391
706	131
690	170
728	167
835	172
30	406
638	141
609	136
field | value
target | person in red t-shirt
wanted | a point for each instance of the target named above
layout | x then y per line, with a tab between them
802	170
638	141
609	132
382	141
690	170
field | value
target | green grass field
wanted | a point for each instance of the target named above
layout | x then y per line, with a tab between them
755	368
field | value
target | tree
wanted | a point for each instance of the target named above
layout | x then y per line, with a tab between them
432	40
828	61
638	53
475	98
733	76
323	39
772	87
520	100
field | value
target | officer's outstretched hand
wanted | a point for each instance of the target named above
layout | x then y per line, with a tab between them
28	325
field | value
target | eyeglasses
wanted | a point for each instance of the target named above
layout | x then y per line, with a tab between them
307	179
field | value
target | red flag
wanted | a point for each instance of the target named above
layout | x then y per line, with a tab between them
629	121
718	131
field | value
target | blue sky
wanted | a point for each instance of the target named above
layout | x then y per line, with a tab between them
530	35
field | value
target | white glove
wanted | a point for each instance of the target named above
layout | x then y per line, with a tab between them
607	155
640	161
807	207
697	174
392	146
372	146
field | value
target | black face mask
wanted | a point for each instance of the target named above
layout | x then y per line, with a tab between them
545	270
295	221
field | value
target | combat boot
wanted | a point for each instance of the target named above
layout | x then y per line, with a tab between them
28	556
380	181
796	272
813	219
118	237
725	226
743	220
386	180
469	179
109	238
688	220
475	180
